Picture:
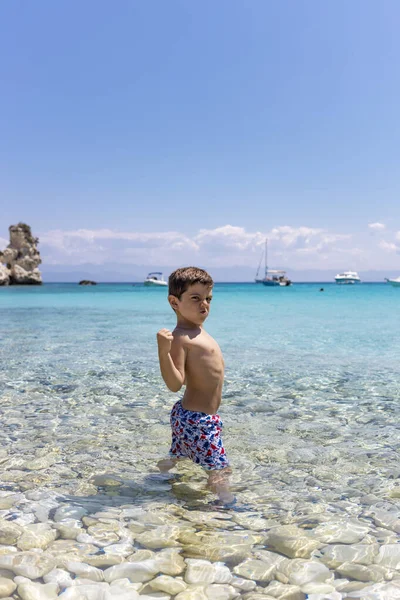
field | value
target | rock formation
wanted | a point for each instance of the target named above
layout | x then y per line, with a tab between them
21	258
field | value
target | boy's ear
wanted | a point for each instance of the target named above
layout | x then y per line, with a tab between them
173	300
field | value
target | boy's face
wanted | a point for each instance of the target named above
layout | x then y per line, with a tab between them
194	303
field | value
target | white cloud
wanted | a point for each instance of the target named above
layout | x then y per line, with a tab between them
222	246
289	247
285	236
105	245
388	246
230	237
61	238
376	226
291	236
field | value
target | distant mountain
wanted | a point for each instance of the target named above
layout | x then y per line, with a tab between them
117	272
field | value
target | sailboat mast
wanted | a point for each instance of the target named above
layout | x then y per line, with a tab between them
259	265
266	257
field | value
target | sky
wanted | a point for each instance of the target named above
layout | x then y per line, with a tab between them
156	134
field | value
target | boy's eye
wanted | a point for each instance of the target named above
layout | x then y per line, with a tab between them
209	299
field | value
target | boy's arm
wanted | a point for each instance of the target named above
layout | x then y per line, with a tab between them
172	357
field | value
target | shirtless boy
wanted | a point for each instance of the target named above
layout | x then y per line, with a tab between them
190	356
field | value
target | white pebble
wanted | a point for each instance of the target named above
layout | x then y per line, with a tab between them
95	591
199	571
59	576
165	583
247	585
7	587
221	592
308	572
86	571
38	591
141	571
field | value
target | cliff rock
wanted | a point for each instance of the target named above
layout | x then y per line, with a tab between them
21	258
4	275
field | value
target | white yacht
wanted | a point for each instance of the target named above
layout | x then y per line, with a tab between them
395	281
347	277
155	279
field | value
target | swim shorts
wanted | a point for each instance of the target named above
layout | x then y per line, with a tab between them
197	435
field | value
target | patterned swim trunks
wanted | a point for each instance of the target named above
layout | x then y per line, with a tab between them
197	435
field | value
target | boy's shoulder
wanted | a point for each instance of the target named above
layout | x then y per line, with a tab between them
179	331
186	336
180	335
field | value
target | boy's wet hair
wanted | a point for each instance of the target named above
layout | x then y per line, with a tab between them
180	280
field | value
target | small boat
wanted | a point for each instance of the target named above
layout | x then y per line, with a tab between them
155	279
271	277
395	282
347	277
276	278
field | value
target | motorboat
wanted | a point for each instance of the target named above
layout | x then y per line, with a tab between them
271	277
347	277
275	277
395	282
155	279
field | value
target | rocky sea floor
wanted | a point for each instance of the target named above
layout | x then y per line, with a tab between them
84	513
313	438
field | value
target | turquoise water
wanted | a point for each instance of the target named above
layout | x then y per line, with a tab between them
354	329
311	410
82	361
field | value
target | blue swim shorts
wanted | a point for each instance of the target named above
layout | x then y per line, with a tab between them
197	435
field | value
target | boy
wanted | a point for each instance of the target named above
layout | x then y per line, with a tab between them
189	356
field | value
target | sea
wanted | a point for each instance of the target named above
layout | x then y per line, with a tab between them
311	402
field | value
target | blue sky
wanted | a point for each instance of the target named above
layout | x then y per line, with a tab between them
159	133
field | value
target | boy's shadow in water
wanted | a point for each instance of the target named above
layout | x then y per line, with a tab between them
189	493
114	490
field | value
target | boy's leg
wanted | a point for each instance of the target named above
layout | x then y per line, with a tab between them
218	482
166	464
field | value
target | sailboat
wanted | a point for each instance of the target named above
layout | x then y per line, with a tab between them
271	277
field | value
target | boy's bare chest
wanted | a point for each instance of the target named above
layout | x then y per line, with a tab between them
205	348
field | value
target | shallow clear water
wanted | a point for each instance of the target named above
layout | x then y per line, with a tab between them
311	399
75	356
